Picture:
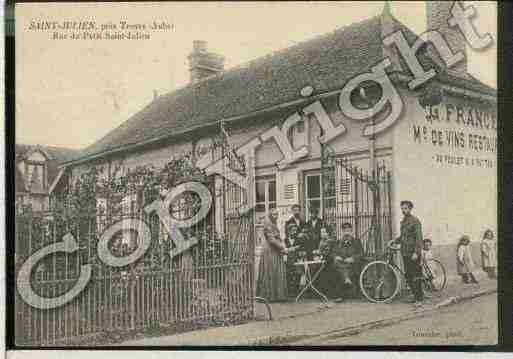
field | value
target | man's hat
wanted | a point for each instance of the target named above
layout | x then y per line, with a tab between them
347	225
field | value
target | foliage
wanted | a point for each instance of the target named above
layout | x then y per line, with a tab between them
98	198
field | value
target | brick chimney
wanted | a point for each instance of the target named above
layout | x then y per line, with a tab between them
203	64
438	14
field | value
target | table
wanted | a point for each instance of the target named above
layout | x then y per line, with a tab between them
307	267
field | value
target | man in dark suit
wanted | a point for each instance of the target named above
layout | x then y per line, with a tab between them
344	257
294	219
315	224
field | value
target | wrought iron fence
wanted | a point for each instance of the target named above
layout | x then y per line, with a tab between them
361	198
210	284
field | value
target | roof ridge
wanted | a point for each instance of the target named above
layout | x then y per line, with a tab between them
300	43
325	61
247	64
47	146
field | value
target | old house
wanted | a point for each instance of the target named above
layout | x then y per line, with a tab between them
36	171
440	153
279	122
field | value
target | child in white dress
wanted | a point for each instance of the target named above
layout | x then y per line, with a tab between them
464	261
489	254
427	256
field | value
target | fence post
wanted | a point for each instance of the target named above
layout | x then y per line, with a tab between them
250	242
132	302
356	210
389	192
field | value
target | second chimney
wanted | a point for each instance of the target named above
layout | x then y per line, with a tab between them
438	14
203	64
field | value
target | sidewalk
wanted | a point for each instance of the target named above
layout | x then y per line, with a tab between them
296	321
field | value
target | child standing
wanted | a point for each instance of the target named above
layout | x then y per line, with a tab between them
427	256
426	250
489	254
464	261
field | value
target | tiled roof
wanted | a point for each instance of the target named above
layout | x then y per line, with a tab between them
326	63
58	154
467	81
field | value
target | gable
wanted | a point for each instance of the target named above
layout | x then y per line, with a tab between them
37	156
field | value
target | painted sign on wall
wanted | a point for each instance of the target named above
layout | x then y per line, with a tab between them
465	135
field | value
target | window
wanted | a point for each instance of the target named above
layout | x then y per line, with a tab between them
265	197
319	193
36	176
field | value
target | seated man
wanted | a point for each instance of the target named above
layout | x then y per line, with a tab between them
345	255
306	243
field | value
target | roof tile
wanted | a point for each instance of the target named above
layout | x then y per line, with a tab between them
326	62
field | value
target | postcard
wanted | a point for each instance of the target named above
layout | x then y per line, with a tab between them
255	174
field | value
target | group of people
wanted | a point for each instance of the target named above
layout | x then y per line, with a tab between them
465	263
415	249
279	277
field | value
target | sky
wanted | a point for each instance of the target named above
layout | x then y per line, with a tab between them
71	93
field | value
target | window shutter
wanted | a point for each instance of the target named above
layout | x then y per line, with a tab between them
345	186
289	191
287	184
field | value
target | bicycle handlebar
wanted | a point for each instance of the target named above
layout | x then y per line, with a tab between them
392	245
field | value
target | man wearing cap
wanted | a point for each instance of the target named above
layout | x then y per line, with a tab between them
315	224
411	250
345	254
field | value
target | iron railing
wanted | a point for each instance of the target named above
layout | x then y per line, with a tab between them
210	284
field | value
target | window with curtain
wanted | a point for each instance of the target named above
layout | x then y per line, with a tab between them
319	193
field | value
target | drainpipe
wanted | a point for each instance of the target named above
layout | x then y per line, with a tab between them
323	159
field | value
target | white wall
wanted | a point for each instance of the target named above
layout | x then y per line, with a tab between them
156	157
450	199
268	153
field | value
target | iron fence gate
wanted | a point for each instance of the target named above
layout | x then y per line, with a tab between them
210	284
358	197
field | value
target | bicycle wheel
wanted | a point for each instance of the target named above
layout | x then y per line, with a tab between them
379	282
434	276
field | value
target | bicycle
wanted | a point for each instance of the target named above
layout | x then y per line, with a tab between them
380	280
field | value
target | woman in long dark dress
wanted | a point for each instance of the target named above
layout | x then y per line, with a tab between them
272	278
